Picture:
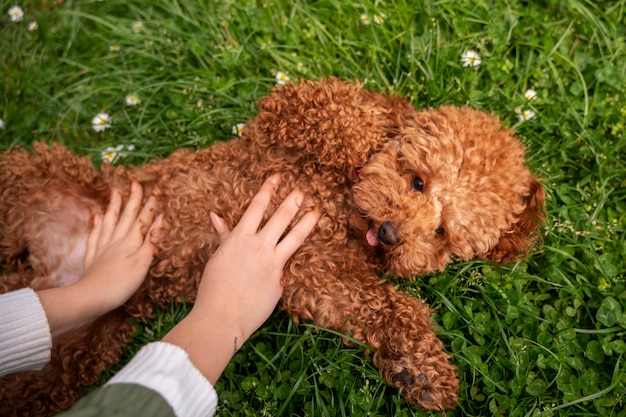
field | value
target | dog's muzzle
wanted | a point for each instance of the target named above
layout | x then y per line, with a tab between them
388	234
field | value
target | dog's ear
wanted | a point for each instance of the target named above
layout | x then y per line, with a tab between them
519	240
330	121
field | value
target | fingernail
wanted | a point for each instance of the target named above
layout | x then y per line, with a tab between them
299	199
155	228
275	178
299	196
218	224
157	221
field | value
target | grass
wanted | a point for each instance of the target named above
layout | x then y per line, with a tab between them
545	336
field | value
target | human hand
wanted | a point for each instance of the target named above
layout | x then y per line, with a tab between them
241	282
120	248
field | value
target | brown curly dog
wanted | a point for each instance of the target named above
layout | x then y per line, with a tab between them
403	192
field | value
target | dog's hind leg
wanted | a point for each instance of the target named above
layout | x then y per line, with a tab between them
57	238
49	236
48	200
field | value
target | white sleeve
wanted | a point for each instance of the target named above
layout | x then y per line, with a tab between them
25	339
166	369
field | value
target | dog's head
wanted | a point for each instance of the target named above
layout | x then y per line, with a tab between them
451	185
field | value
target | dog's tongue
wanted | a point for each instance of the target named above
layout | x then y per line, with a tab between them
371	238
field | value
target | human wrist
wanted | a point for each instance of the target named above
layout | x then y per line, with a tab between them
67	308
97	300
209	342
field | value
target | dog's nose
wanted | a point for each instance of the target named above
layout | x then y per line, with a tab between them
387	234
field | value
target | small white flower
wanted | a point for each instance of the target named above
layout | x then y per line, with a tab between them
111	153
524	115
1	124
530	94
114	48
379	18
282	78
32	26
138	27
238	129
470	59
16	13
132	100
365	19
100	122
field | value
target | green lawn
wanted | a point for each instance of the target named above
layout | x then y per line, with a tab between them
545	336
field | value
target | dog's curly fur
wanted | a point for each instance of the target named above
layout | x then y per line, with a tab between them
402	191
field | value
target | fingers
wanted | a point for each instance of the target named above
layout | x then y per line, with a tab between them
297	235
287	210
130	224
129	214
110	219
278	222
155	233
145	217
220	227
150	239
92	240
253	216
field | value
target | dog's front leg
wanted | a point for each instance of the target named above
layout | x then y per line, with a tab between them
408	353
339	293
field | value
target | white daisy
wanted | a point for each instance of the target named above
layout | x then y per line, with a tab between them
282	78
524	115
132	100
32	26
238	129
138	27
379	18
365	19
111	153
470	59
1	124
16	13
114	48
100	122
530	94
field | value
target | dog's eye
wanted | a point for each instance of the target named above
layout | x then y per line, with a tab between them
417	183
440	231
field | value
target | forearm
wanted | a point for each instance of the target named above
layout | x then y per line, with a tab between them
209	342
69	308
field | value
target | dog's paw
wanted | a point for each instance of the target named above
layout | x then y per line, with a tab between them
438	391
428	380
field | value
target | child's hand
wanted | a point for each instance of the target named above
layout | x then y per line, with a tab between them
119	251
241	283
